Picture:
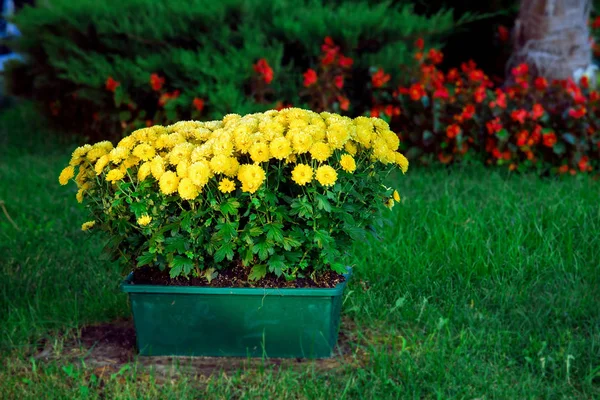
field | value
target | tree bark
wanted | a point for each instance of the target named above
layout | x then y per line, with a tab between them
553	38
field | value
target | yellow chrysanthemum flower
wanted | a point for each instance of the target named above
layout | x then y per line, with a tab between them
317	132
95	153
223	144
401	161
162	141
127	142
115	175
174	139
131	161
182	169
391	139
302	174
118	154
301	141
320	151
351	148
232	167
199	173
337	136
259	152
390	203
252	177
187	190
157	167
79	154
101	163
220	163
326	175
144	220
396	196
144	152
66	174
226	185
180	152
144	171
87	225
347	162
169	182
79	196
280	148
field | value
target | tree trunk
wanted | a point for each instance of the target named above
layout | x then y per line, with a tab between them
553	38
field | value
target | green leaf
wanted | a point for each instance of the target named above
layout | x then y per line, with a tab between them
263	249
180	264
322	238
230	207
276	264
138	208
502	134
559	148
224	251
290	242
145	259
323	203
175	244
274	232
257	272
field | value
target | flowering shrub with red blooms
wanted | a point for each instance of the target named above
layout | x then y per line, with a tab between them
459	115
324	85
167	107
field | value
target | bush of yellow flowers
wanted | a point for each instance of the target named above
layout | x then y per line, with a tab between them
281	192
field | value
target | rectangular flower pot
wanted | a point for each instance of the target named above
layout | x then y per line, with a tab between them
235	322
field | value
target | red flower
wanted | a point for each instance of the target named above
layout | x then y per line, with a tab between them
476	75
375	112
338	81
310	77
540	83
452	131
452	75
596	23
416	91
111	84
198	103
156	82
549	139
435	56
344	103
418	56
537	111
345	62
522	138
468	112
165	97
503	33
583	163
584	82
501	98
577	113
441	93
328	58
520	70
380	78
535	137
328	45
519	115
563	169
496	153
479	94
391	111
419	43
594	96
493	126
264	70
148	123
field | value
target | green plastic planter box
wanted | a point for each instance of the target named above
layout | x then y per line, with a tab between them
235	322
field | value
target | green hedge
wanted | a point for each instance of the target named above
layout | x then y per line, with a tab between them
203	48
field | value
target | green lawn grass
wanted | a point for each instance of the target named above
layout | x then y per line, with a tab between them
485	285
